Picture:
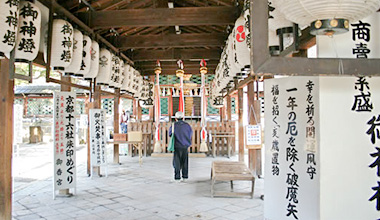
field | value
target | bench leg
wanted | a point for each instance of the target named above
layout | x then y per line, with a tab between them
212	188
253	188
232	186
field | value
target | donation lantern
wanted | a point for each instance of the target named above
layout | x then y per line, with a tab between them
8	25
94	67
104	67
240	42
61	44
86	57
327	16
29	32
75	64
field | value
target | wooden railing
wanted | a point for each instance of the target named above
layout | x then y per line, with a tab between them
148	129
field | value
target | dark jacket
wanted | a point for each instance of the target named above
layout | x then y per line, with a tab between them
182	133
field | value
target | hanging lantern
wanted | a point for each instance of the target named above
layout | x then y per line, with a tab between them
240	42
232	63
115	71
149	95
124	86
86	57
8	25
247	23
29	32
131	76
94	67
104	67
121	75
327	16
75	64
61	44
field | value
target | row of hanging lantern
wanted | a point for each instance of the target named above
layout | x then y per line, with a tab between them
235	59
20	28
72	52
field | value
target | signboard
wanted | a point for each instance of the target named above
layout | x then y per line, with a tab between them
98	137
64	140
292	171
321	142
253	137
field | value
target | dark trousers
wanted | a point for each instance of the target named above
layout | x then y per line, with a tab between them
181	162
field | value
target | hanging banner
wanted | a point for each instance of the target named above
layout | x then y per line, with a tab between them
64	140
98	137
253	137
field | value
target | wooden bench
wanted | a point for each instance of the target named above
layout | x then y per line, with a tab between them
230	171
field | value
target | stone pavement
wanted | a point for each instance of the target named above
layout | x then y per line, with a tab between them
134	192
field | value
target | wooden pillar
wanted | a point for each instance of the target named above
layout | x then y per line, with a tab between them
139	111
241	127
221	113
6	138
254	155
229	106
116	125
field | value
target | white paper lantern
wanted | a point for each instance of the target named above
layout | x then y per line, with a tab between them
94	67
105	62
86	57
240	43
247	23
75	64
232	63
29	32
62	44
115	70
121	74
124	85
8	25
306	11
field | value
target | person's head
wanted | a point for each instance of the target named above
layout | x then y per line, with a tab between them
123	111
179	115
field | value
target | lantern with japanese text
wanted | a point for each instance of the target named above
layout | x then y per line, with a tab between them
247	23
29	32
138	83
94	67
104	67
115	69
61	44
326	16
86	57
127	71
121	75
8	25
75	64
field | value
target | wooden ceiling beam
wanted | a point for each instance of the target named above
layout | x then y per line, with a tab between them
164	17
175	54
171	40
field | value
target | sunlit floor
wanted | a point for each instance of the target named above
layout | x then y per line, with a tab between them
129	191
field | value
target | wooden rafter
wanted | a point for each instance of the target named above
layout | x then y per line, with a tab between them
171	40
164	17
175	54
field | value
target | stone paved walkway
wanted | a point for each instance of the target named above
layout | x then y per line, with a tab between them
134	192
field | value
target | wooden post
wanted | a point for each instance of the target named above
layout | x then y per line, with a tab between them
6	139
221	112
229	106
139	111
116	125
241	127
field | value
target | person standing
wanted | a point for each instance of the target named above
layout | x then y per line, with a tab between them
182	134
123	121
